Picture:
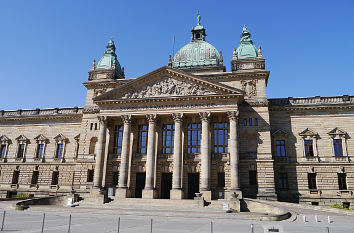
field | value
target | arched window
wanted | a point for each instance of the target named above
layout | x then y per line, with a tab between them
92	148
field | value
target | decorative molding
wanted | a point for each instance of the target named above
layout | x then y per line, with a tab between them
41	138
177	117
102	119
91	109
308	133
205	116
127	119
60	138
280	132
22	138
249	87
233	115
4	139
337	132
151	118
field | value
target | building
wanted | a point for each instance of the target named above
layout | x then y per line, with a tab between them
184	128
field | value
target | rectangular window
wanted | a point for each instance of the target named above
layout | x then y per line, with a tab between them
221	179
308	147
244	122
168	133
250	122
252	175
15	177
35	176
115	179
91	126
90	174
280	146
55	178
60	148
338	148
220	137
142	138
117	139
40	149
255	121
2	151
21	150
283	180
95	126
311	177
194	132
342	181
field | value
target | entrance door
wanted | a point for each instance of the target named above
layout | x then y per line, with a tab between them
166	185
193	184
140	184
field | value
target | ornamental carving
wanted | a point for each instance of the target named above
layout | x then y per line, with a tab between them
102	119
177	117
249	87
204	116
168	87
151	118
98	92
127	119
233	115
91	110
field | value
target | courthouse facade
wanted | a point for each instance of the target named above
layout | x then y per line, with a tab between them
184	128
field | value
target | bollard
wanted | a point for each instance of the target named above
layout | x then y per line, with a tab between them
329	219
3	220
304	218
43	222
211	226
316	218
151	226
69	223
327	229
252	228
118	223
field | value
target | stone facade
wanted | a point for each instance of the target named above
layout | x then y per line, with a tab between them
103	145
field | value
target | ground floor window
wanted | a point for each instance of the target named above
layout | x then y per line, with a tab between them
252	175
15	177
282	180
115	179
90	174
311	177
55	178
35	176
342	181
221	179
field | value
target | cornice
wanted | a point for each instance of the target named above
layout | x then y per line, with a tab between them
26	118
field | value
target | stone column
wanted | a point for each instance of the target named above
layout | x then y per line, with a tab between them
205	156
124	158
176	192
149	191
99	153
234	154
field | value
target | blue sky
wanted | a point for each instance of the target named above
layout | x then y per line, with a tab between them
47	47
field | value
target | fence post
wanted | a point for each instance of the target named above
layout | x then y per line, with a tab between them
118	223
327	229
3	220
69	223
43	222
252	228
316	218
151	226
329	219
211	226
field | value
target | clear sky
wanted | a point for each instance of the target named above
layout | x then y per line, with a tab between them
47	47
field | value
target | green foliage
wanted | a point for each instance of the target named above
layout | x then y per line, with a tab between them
22	195
340	206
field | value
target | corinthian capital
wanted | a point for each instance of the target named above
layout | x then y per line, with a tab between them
204	116
233	115
151	118
177	117
102	119
127	119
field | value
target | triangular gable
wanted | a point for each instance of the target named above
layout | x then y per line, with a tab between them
167	82
41	137
21	138
4	139
60	137
308	132
77	137
337	131
280	132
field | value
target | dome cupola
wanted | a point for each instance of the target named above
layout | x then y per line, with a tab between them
246	48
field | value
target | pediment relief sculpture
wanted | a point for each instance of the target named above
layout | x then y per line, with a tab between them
308	133
60	138
22	138
336	132
41	137
249	87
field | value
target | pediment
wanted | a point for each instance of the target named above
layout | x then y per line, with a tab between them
167	82
280	132
337	131
41	137
22	138
308	132
60	137
4	138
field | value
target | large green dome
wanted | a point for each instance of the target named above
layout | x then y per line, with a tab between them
109	59
198	53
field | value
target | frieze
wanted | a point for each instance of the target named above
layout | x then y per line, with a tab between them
91	110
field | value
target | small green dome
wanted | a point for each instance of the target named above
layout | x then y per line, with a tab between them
198	52
109	58
246	49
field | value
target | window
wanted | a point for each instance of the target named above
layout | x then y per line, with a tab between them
92	145
255	121
342	181
280	146
35	176
118	137
91	126
252	177
95	126
244	122
55	178
282	180
337	146
60	150
194	132
168	132
2	151
311	177
15	177
40	149
90	174
142	138
220	137
221	179
115	179
21	150
250	122
308	147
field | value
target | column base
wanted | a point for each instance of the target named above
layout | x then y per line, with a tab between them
96	195
122	193
149	194
231	192
206	195
176	194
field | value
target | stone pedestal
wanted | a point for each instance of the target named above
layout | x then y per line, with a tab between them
96	196
149	194
230	193
122	193
206	195
235	204
200	202
176	194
